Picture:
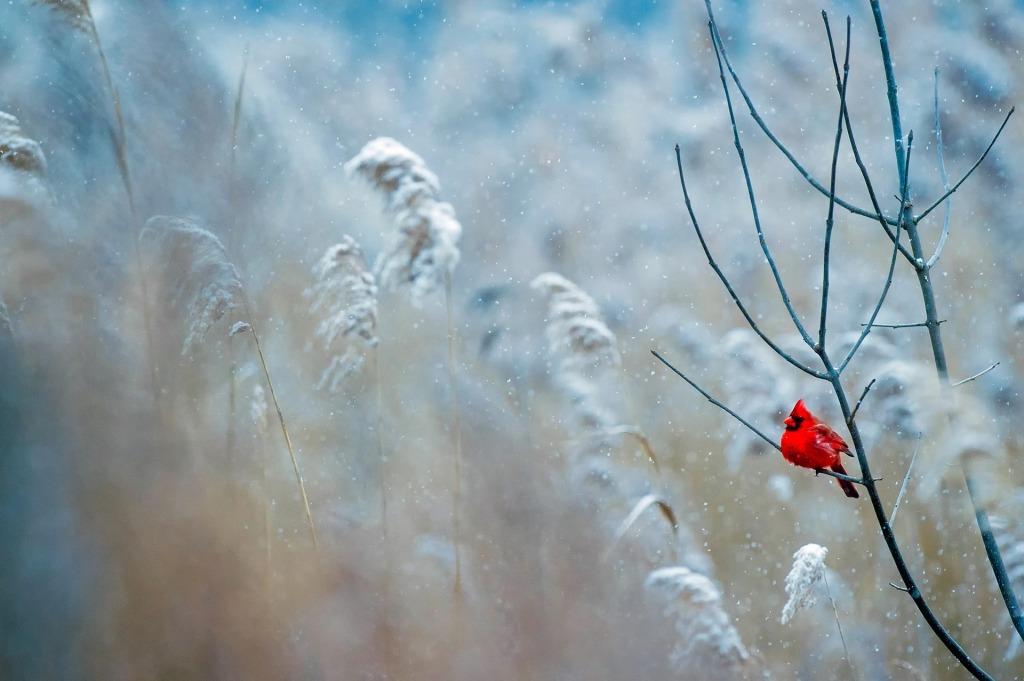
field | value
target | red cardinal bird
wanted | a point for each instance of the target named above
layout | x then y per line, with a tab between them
809	443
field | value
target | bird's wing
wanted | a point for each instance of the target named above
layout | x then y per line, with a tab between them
827	437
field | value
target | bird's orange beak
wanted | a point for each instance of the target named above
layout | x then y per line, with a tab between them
789	422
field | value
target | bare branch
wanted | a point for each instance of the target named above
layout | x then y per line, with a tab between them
860	400
945	179
902	326
753	201
971	170
829	222
840	476
775	140
892	267
725	280
906	480
857	157
947	639
715	402
977	375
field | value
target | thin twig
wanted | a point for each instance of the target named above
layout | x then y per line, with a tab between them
902	326
895	237
906	480
829	221
715	402
974	167
753	201
945	179
860	400
857	157
888	280
841	476
775	140
977	375
725	280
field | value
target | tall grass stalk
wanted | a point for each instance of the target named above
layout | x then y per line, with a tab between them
233	199
456	436
381	462
78	15
284	427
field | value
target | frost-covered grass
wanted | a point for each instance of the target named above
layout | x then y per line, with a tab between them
611	524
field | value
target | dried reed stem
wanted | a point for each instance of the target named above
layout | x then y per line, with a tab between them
456	436
78	16
284	427
381	462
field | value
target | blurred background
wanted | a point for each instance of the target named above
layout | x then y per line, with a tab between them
163	536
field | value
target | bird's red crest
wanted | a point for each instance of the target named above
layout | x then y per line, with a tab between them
800	410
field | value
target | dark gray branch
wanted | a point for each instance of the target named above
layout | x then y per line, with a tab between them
892	267
935	337
753	201
860	400
857	157
829	221
775	140
902	326
715	402
725	280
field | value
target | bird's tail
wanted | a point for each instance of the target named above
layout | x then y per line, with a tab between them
848	487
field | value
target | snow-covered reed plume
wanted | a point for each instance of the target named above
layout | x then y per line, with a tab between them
426	248
803	580
76	13
17	151
756	388
22	164
706	638
579	341
344	295
204	285
583	352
